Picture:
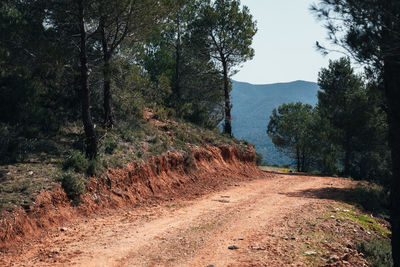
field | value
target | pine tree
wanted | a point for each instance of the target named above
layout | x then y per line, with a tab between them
230	30
370	32
128	21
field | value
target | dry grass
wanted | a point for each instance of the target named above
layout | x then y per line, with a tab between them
42	168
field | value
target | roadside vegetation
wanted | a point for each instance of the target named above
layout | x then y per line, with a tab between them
362	238
351	230
345	134
21	182
92	85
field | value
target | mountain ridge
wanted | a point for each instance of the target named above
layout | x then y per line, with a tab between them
252	104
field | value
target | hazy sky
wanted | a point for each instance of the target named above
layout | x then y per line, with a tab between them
284	43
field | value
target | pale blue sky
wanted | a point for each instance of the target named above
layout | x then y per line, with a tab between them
284	43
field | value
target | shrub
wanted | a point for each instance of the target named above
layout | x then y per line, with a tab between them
373	198
6	137
79	142
153	139
110	144
74	186
13	146
76	161
115	162
94	168
377	252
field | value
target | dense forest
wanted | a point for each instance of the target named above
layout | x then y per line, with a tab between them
99	65
102	62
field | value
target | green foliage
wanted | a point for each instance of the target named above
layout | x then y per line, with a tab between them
290	128
369	31
94	168
373	198
378	252
353	126
327	153
345	134
15	147
181	68
47	91
40	84
230	30
75	161
342	102
32	70
74	186
130	91
110	144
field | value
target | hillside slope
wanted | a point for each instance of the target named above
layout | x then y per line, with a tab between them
253	104
156	159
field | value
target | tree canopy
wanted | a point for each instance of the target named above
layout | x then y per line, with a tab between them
290	128
229	32
370	32
103	61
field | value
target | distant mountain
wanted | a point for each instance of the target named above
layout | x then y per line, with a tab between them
253	105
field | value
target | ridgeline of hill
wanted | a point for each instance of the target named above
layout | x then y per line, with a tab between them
252	106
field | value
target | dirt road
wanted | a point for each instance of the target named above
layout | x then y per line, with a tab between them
249	224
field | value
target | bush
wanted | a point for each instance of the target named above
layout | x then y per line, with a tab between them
110	145
377	252
74	186
373	198
94	168
76	161
13	146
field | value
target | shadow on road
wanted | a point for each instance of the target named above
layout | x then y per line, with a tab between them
371	199
289	173
333	193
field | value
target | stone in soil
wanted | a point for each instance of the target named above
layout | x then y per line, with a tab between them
333	259
310	253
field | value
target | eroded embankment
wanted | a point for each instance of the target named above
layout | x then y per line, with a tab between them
170	175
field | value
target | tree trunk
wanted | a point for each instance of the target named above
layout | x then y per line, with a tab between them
347	154
108	113
228	125
392	89
107	106
298	159
177	89
391	70
91	140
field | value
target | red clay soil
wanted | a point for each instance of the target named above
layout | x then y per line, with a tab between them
272	220
167	177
